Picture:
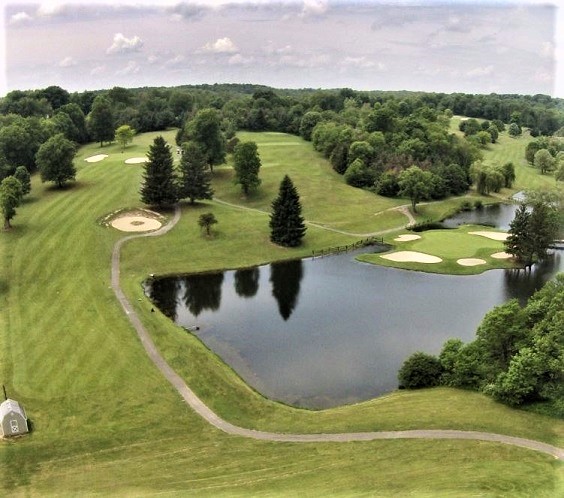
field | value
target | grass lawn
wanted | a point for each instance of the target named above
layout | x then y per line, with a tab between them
449	245
106	423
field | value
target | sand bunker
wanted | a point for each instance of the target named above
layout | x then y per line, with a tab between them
501	255
136	160
135	223
470	262
97	158
492	235
406	237
412	257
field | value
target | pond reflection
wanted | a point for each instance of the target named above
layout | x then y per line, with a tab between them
324	332
285	278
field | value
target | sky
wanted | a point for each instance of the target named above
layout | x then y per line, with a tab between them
478	46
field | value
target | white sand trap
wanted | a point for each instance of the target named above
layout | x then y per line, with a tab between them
501	255
136	160
412	257
135	223
470	262
97	158
406	237
492	235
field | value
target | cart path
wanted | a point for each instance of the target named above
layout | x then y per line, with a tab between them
404	209
212	418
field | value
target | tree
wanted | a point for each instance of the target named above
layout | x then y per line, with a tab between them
205	221
246	164
514	130
100	121
194	181
10	198
159	185
518	242
487	178
22	174
508	171
544	161
420	370
124	135
287	226
415	184
532	232
307	124
55	160
205	130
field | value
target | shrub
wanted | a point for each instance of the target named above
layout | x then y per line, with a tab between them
420	370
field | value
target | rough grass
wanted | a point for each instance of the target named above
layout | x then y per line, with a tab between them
106	423
449	245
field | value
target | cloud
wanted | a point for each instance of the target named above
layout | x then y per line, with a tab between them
123	45
272	50
362	62
152	59
20	18
131	68
97	70
221	46
239	60
541	76
314	8
304	61
480	71
188	12
175	61
67	62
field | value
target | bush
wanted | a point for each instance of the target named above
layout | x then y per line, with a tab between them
420	370
466	206
478	204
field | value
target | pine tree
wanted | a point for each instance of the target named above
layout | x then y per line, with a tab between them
194	182
287	226
518	243
159	186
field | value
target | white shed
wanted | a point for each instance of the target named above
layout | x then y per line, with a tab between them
13	420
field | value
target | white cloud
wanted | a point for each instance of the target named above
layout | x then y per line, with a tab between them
122	45
313	8
357	62
543	76
20	18
131	68
97	70
271	49
152	59
304	61
239	60
175	61
67	62
480	71
221	46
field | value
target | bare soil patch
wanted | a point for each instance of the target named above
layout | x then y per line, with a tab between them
470	261
492	235
407	237
96	158
412	257
136	160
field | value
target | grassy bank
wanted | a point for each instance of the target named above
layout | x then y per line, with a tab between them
106	423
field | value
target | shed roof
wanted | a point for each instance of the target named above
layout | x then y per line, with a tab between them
11	405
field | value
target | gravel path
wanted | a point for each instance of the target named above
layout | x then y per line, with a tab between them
212	418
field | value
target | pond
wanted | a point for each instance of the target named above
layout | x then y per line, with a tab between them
327	331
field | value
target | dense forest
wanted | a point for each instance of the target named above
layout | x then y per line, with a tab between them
369	137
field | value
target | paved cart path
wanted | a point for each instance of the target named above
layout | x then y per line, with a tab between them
211	417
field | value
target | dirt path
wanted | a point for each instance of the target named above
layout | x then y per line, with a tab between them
212	418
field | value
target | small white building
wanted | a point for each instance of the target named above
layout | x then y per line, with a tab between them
13	420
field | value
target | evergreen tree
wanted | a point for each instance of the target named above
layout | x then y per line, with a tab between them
287	226
247	165
194	182
518	242
159	186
